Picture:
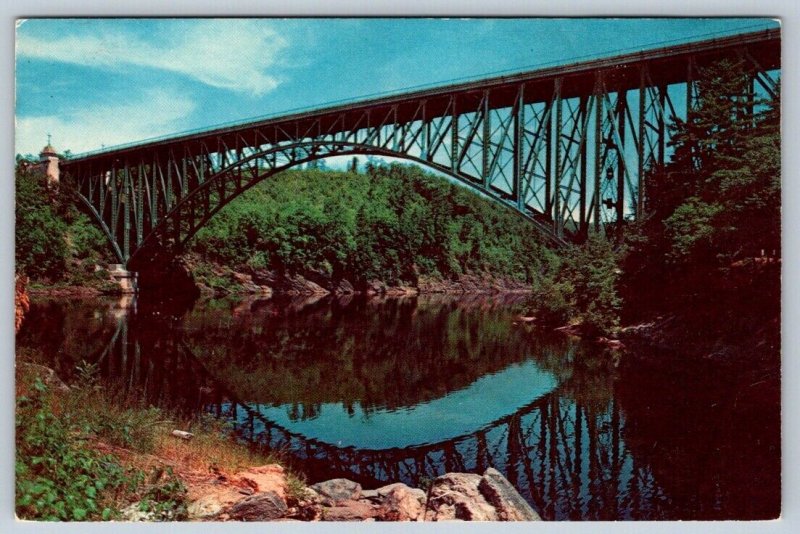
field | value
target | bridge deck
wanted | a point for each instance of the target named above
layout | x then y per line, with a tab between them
667	66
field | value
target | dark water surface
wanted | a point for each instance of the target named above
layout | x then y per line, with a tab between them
407	389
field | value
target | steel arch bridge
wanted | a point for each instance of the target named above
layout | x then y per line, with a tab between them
564	146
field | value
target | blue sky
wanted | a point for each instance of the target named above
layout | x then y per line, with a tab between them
101	82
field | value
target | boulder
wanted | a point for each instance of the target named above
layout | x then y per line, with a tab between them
508	503
263	506
416	492
402	504
375	287
206	507
350	510
456	496
338	489
386	490
289	284
270	477
371	495
344	287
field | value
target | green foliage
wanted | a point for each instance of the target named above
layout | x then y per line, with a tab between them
51	234
56	477
41	248
165	500
592	273
723	182
94	410
392	223
717	202
554	303
691	226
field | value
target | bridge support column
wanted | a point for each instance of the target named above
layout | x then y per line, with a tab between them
126	280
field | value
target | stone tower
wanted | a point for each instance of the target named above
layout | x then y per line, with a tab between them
48	159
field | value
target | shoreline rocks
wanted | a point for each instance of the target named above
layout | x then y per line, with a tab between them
452	496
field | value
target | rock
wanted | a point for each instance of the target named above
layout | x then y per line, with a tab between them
344	287
370	495
338	489
508	503
400	291
375	287
263	506
571	330
402	504
456	496
614	344
386	490
133	513
416	492
206	507
470	283
421	496
350	510
270	477
308	511
289	284
311	495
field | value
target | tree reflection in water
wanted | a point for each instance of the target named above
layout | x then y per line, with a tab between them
596	444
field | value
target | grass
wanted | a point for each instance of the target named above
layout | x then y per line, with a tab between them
119	448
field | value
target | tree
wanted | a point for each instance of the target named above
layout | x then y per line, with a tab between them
717	201
353	167
726	169
41	248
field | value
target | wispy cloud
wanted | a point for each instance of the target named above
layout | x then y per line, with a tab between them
235	54
155	112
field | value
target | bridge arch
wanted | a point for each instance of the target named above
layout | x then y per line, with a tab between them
193	212
564	146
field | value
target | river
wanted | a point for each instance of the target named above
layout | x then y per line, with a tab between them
381	390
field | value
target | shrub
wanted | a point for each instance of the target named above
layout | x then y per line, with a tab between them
56	477
592	270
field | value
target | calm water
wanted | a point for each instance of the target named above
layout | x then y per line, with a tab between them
407	389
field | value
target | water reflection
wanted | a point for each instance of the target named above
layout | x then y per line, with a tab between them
407	389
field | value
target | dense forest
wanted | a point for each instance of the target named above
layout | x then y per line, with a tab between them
392	223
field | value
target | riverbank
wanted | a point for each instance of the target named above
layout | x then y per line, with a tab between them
215	279
85	455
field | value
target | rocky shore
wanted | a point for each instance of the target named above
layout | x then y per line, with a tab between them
263	494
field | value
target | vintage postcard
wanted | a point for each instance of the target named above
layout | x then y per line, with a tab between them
398	269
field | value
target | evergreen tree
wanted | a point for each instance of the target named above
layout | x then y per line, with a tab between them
717	202
725	172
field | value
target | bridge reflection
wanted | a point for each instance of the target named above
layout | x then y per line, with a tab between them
563	450
600	445
566	458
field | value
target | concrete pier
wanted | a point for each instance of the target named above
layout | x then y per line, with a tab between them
127	280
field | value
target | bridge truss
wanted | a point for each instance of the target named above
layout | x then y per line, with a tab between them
566	146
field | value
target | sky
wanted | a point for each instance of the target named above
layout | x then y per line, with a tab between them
94	83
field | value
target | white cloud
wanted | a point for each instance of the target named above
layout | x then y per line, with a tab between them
233	54
155	112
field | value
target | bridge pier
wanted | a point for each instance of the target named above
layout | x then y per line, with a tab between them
126	280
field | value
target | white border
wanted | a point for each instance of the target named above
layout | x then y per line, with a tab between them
786	10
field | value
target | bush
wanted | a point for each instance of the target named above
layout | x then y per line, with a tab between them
57	479
553	303
41	248
592	270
